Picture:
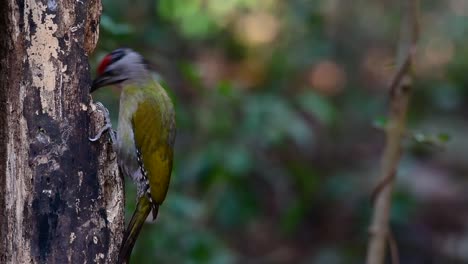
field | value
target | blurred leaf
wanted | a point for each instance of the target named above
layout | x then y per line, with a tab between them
446	97
189	15
234	207
309	181
443	137
329	256
225	88
184	206
191	73
115	28
318	106
272	120
380	122
237	160
437	140
402	207
292	217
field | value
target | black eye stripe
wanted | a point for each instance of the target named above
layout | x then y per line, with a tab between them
110	73
117	55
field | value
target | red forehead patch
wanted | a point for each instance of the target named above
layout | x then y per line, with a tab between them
104	63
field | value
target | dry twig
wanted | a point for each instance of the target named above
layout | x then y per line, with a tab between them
400	89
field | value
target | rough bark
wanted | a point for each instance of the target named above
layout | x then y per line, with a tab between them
61	196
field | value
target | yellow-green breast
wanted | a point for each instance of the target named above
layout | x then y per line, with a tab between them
147	124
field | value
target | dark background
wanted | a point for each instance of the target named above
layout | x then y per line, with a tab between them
279	105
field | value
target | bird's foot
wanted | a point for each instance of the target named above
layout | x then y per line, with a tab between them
107	126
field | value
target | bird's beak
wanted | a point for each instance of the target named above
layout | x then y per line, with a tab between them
104	80
99	82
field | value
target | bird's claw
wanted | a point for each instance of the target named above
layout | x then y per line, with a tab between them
100	132
107	126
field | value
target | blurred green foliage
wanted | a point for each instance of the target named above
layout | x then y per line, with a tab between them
276	152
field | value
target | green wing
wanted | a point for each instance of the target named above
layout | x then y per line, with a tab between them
154	131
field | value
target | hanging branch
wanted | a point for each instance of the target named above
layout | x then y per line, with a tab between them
399	93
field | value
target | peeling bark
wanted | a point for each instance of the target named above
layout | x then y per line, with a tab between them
61	196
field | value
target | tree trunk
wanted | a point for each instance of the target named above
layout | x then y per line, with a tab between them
61	196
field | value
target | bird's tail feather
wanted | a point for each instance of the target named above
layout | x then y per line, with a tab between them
144	207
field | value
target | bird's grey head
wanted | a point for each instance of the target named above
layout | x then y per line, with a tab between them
119	66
